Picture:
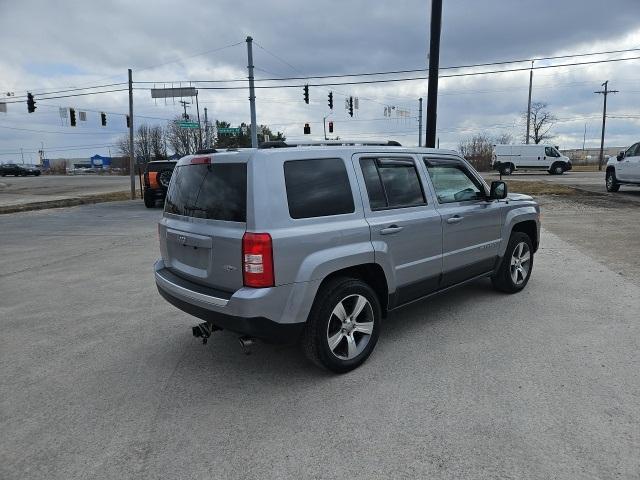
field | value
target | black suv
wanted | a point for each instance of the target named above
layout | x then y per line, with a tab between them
157	176
18	170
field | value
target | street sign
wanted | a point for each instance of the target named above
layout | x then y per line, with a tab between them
186	124
229	131
173	92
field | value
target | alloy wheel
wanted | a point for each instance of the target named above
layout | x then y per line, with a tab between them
350	327
520	263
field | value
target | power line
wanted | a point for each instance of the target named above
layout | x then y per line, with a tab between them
390	80
59	133
395	72
76	95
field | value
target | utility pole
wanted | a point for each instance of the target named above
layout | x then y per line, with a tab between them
184	104
22	155
604	92
420	122
132	176
206	129
199	127
434	66
252	94
584	139
529	103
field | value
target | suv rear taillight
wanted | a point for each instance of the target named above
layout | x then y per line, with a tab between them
257	260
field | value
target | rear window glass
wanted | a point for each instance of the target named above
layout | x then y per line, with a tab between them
215	192
392	183
317	188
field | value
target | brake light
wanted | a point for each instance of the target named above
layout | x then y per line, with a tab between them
200	160
257	260
152	178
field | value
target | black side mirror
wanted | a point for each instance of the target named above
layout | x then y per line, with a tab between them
498	190
620	156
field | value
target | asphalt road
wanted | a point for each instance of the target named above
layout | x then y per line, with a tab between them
20	190
101	378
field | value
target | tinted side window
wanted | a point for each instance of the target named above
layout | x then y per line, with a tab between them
392	183
453	182
215	192
317	188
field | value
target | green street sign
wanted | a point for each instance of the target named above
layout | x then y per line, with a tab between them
185	124
229	130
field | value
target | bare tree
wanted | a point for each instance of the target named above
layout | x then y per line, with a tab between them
477	150
183	141
504	138
542	120
142	143
122	145
158	145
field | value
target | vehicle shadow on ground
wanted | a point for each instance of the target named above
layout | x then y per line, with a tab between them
287	363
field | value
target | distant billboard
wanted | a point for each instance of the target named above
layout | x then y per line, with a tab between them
173	92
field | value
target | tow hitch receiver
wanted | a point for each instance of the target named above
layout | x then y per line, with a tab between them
204	330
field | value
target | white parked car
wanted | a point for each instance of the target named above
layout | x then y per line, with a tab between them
509	158
624	169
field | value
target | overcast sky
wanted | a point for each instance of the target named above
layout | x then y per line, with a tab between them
56	45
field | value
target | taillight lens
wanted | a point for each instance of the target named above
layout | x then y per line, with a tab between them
257	260
200	161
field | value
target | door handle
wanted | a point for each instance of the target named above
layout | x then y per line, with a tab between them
391	229
455	219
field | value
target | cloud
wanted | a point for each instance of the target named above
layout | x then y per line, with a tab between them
70	43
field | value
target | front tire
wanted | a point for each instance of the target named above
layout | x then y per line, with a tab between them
611	181
515	270
557	169
343	326
506	169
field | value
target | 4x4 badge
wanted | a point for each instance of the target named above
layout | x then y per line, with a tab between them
229	268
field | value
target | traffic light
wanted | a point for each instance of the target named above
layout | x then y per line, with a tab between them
307	129
306	94
128	122
351	106
103	119
330	127
31	103
331	100
72	116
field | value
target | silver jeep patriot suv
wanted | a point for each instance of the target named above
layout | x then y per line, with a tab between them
317	244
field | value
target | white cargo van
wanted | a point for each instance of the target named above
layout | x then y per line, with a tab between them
508	158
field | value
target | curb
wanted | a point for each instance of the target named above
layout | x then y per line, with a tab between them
66	202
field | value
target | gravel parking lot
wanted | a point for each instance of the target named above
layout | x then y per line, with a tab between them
101	378
585	181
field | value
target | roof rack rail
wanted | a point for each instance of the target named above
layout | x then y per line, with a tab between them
320	143
205	151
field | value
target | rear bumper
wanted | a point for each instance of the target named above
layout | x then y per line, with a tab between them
275	314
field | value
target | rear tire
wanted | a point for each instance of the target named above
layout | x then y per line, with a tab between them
149	201
506	169
343	325
611	182
516	266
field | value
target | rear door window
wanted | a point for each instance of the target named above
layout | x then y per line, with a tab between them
318	188
211	191
392	183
